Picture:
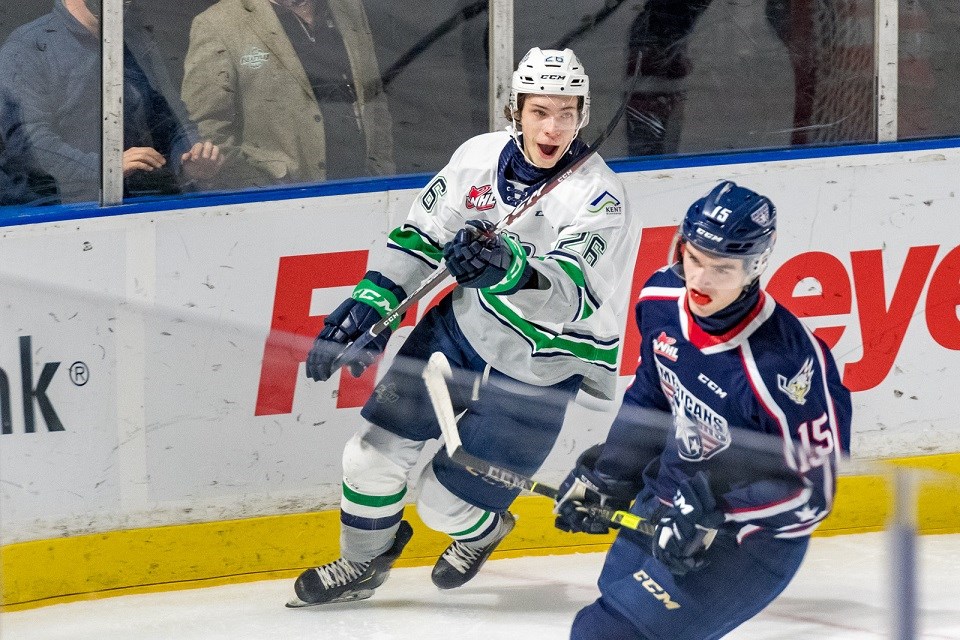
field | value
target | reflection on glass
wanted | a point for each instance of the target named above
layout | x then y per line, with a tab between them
290	90
434	59
717	76
831	47
820	52
929	69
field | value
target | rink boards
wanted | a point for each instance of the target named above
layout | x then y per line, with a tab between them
157	425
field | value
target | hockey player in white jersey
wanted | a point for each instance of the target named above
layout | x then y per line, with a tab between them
744	468
535	318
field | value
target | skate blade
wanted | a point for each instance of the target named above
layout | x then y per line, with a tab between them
350	596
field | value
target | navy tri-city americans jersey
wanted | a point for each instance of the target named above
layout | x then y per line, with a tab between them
767	375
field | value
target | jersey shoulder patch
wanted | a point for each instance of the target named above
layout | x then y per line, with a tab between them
605	203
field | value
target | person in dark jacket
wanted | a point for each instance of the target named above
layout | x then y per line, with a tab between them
19	185
51	67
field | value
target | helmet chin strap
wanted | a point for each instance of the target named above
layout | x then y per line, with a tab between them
515	133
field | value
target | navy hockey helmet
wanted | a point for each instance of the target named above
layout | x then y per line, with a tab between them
731	222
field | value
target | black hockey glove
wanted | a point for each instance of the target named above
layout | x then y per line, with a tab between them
583	492
479	257
372	299
686	530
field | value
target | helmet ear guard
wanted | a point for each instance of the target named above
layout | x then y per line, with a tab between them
675	254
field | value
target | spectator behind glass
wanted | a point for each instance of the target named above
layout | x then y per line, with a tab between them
52	67
19	183
290	90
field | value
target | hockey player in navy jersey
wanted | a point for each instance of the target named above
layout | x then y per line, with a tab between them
535	318
747	468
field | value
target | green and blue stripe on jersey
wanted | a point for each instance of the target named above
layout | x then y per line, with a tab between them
570	263
546	343
417	243
518	265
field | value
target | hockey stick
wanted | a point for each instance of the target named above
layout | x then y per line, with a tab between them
431	283
435	376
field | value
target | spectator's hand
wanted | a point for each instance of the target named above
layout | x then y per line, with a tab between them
686	530
142	159
203	161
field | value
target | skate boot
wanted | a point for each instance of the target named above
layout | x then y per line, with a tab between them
460	562
345	581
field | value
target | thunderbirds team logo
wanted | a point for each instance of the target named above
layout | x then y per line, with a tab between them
798	386
700	431
663	346
606	202
481	198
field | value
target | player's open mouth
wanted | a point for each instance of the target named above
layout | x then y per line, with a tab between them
699	298
548	150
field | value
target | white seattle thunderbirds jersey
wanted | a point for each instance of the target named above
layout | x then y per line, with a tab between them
582	240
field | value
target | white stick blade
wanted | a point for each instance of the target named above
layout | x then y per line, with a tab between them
435	376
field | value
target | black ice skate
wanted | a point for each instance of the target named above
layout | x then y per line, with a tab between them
460	562
346	581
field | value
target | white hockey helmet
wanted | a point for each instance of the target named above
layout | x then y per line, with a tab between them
551	72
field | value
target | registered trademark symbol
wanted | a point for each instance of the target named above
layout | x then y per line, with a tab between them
79	373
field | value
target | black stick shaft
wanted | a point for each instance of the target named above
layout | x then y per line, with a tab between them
508	478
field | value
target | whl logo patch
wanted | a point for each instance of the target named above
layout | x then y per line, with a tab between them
481	198
663	346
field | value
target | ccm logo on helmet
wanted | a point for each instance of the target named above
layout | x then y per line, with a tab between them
708	235
552	76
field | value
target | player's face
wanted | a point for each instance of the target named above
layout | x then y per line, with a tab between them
549	124
713	282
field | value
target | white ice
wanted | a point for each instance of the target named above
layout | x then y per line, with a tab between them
843	590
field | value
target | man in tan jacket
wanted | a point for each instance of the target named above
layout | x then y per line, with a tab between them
290	90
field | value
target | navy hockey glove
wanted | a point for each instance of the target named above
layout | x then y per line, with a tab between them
686	530
480	258
583	492
372	299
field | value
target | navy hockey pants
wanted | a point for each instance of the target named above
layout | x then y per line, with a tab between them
641	600
509	423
